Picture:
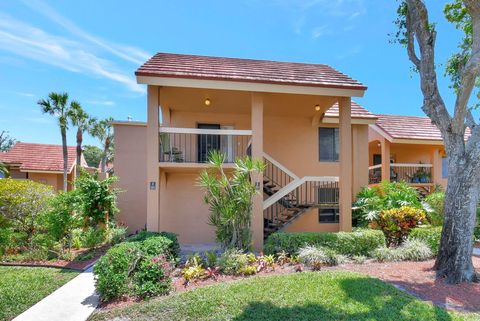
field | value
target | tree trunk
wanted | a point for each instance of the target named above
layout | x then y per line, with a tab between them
65	157
454	261
103	163
79	152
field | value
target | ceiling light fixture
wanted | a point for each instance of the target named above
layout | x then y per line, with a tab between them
317	107
208	102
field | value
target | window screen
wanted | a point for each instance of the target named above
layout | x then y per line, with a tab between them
328	144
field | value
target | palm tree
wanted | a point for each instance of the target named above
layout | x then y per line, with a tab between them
56	105
3	169
103	131
83	122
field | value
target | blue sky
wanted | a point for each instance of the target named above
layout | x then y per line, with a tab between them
91	49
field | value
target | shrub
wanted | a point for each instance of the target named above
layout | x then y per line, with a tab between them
210	259
313	257
11	240
397	223
412	250
229	198
429	235
248	270
476	232
21	202
358	242
76	237
98	198
152	276
173	246
191	273
232	261
93	237
370	201
113	270
436	202
116	235
62	217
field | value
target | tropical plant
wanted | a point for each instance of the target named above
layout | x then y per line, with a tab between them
3	169
83	122
371	201
21	202
436	203
454	261
396	223
230	199
56	105
98	198
6	142
102	130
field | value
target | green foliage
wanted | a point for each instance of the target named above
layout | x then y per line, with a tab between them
22	201
232	261
411	250
173	248
317	256
11	240
358	242
137	267
210	259
248	270
370	201
152	277
436	202
397	223
113	270
429	235
6	142
62	217
476	232
76	237
230	199
192	273
116	235
98	198
3	170
93	237
93	155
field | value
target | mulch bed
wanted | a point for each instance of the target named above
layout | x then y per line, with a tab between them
418	279
72	265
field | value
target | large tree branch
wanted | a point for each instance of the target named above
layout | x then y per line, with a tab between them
469	72
418	27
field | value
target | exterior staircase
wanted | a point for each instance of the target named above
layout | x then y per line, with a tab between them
288	197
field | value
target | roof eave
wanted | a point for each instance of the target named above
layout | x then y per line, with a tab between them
253	85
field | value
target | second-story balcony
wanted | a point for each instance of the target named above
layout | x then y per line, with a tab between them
193	145
414	174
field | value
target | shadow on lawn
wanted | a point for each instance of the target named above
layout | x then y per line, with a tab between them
365	300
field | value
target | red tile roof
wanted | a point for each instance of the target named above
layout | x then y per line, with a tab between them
39	157
357	112
246	70
410	127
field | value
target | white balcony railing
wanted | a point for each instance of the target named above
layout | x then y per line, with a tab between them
410	173
193	145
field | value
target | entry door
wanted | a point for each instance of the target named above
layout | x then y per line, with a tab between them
207	143
377	160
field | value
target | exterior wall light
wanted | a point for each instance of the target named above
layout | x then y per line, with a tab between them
208	102
317	107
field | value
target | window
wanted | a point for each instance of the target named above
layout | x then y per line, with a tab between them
328	144
328	215
445	167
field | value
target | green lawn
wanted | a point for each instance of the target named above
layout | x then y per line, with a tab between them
300	296
22	287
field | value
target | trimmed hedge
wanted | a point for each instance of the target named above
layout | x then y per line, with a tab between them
141	266
356	243
430	235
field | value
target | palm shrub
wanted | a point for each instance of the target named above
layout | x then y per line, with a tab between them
370	201
230	199
435	202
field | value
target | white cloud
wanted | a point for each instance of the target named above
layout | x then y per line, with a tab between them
24	94
128	53
101	102
320	31
34	43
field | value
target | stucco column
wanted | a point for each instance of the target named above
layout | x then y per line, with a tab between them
345	184
436	162
152	158
257	153
385	146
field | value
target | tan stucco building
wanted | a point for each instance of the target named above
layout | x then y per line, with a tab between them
42	163
299	118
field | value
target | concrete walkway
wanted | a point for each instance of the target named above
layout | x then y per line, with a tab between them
74	301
